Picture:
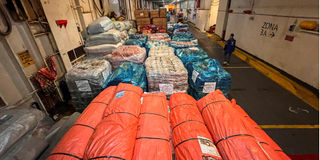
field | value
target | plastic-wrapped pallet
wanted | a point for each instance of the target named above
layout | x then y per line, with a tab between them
141	37
166	74
110	37
182	34
153	135
178	26
184	44
128	72
101	50
190	135
134	42
159	37
100	25
191	54
206	76
182	38
15	123
124	35
132	31
119	25
235	134
127	53
85	81
161	51
114	137
122	25
137	39
170	28
151	44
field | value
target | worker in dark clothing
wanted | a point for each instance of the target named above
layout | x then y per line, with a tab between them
228	49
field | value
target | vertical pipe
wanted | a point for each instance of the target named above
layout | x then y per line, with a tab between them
226	20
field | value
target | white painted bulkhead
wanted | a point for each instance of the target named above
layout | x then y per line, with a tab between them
263	33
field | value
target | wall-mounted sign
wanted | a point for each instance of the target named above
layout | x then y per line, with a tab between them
25	58
269	29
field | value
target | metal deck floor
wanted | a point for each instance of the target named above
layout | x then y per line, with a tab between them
268	103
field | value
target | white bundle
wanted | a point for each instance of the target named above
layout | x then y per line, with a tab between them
159	37
166	74
112	36
161	51
85	81
103	49
100	25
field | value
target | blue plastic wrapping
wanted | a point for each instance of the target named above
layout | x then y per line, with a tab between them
178	26
206	76
191	54
183	34
134	42
182	38
184	44
141	37
128	72
155	44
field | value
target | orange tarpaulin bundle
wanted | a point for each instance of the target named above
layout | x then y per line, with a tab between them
191	138
73	144
266	142
153	136
234	133
115	135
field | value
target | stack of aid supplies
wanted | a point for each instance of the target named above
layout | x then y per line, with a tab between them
191	138
235	134
120	123
85	81
102	39
127	53
165	71
124	123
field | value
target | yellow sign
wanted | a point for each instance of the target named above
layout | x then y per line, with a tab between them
25	58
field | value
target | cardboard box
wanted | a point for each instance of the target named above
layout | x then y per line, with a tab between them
141	22
141	13
161	22
163	12
154	14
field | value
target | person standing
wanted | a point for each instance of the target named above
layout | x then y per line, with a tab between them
228	49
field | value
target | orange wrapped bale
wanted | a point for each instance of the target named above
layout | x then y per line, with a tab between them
74	142
191	138
153	136
114	137
235	136
266	142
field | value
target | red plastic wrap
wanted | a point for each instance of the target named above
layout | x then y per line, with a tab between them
234	133
191	138
74	142
114	137
153	136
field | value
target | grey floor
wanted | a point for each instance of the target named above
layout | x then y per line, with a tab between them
267	102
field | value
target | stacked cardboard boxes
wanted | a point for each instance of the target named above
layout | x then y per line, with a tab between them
142	18
160	22
154	13
141	14
163	12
